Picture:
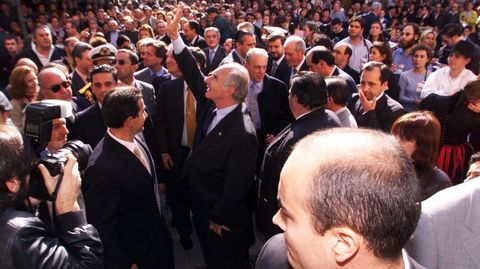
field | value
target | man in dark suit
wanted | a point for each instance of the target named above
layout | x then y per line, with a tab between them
175	125
154	56
113	33
371	107
214	52
294	50
191	31
161	29
320	60
83	63
437	18
43	52
244	41
126	63
221	166
130	30
277	64
308	95
267	100
339	203
121	189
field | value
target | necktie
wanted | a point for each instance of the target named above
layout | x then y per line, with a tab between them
211	55
190	117
274	68
253	106
140	157
208	120
294	72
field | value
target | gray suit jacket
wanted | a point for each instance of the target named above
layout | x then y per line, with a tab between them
274	256
148	97
144	75
346	119
448	233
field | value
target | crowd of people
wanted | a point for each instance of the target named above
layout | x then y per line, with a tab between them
315	127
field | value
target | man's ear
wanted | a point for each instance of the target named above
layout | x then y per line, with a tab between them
347	245
13	185
135	67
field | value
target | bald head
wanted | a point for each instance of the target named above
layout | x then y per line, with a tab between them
27	62
54	84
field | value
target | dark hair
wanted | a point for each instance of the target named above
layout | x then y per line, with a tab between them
103	68
423	128
451	30
160	49
241	34
471	91
338	89
199	56
18	165
380	37
97	41
79	49
357	19
119	104
122	39
420	47
384	49
370	187
321	53
323	40
416	29
276	36
383	68
133	57
194	25
10	37
463	48
147	28
335	21
312	26
310	89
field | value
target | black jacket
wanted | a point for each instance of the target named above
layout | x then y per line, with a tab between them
28	243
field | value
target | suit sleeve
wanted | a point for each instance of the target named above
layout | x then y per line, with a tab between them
286	116
76	245
423	245
160	121
102	202
370	119
239	178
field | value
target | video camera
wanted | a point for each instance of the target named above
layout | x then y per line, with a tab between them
38	130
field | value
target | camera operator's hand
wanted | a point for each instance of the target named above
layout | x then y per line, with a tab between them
69	187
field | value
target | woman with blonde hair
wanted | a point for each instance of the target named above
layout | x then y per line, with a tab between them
428	38
23	88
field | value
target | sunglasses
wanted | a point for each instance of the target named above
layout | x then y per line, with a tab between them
56	88
120	62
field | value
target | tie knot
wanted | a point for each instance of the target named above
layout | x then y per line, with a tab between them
294	71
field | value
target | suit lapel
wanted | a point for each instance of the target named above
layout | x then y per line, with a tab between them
129	159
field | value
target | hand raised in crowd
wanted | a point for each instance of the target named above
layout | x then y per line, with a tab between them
367	105
167	161
69	188
172	24
217	228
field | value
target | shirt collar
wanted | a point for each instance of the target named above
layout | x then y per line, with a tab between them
129	145
300	65
159	73
222	112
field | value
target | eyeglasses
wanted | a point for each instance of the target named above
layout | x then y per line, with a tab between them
119	62
56	88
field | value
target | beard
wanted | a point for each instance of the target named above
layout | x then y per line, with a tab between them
406	44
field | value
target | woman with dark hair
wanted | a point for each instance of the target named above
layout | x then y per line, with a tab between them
419	134
381	52
376	32
411	81
459	115
23	88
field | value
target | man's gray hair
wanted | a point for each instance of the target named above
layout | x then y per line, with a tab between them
212	29
298	41
238	78
254	52
246	26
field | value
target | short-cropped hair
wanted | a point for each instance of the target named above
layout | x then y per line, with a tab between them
310	89
119	104
383	68
338	89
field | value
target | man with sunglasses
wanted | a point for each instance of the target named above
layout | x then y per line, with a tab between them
55	84
126	63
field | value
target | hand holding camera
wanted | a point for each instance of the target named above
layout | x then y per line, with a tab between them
67	193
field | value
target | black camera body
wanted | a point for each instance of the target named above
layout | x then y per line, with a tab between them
38	130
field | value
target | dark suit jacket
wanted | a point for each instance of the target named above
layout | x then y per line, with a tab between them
217	59
386	112
165	39
57	54
303	67
232	57
121	204
77	83
221	166
144	75
200	43
283	71
276	155
351	83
